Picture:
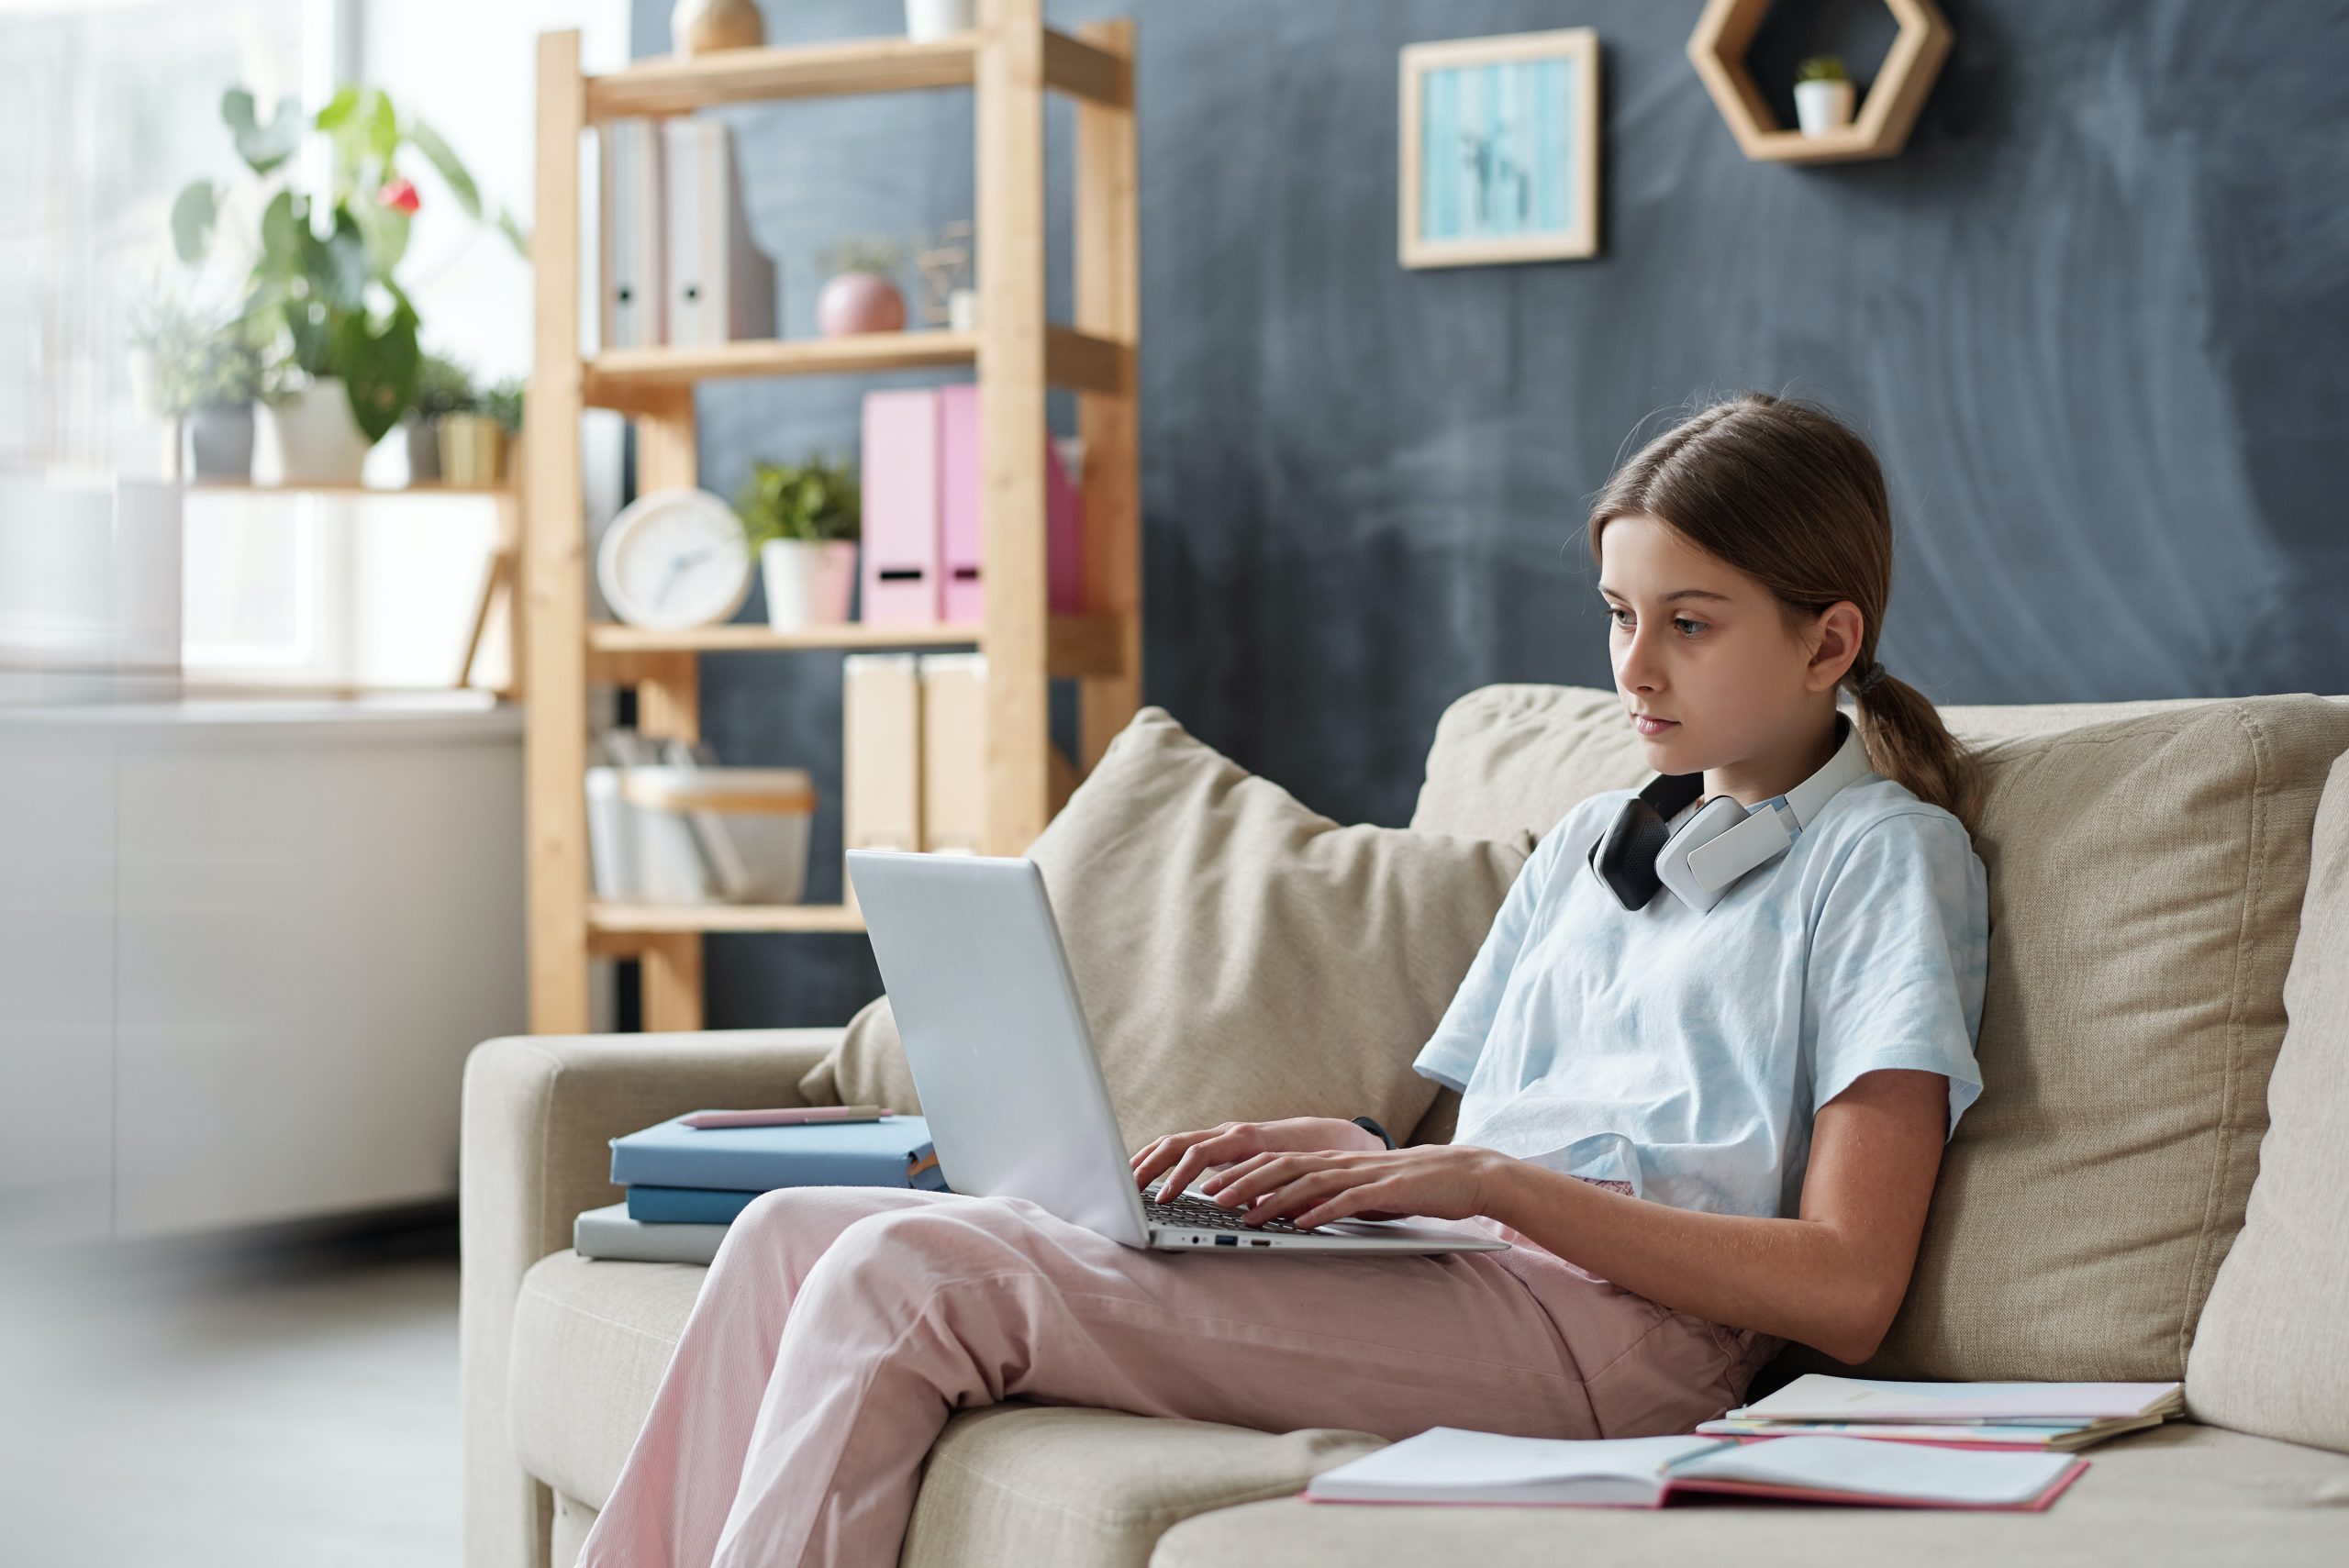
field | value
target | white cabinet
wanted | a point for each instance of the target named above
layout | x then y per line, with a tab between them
258	940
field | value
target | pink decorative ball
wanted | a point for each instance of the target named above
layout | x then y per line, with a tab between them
859	302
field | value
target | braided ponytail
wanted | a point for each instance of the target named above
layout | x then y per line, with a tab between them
1785	492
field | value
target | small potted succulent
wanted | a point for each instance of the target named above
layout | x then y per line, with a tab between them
928	19
442	387
473	438
1822	95
804	519
203	373
858	295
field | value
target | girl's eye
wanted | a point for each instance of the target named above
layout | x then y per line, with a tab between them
1615	614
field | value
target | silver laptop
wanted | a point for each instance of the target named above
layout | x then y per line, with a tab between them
1005	1065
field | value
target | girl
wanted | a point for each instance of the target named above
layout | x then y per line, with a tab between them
1704	1131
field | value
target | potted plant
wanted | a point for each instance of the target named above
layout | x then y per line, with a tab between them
927	19
321	287
804	519
473	438
443	387
858	295
201	372
1822	95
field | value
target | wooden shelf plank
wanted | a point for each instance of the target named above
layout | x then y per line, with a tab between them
1082	363
661	919
1075	646
672	86
613	377
630	378
1081	70
749	637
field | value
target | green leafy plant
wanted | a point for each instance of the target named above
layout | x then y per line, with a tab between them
197	359
444	387
1821	68
322	291
503	402
817	499
861	253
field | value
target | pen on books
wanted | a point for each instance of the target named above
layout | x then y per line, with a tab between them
787	1116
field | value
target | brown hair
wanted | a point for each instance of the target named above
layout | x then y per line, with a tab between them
1791	496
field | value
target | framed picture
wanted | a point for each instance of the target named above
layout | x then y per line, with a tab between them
1500	149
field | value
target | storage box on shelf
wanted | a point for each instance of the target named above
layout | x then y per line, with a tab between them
1008	62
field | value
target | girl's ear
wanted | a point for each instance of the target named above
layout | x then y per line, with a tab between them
1834	639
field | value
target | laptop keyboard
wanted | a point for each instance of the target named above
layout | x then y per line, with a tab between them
1190	1209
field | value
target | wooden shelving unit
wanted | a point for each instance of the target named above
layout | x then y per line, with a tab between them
1010	61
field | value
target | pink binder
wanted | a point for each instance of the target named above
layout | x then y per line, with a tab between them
901	530
963	552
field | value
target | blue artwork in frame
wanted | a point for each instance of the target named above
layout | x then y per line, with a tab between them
1500	149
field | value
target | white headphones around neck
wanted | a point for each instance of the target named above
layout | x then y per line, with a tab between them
1721	840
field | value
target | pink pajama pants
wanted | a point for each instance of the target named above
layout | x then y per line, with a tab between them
839	1328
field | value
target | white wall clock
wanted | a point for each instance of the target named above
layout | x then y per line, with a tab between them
673	560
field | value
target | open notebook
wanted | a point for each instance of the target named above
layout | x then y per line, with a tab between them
1447	1464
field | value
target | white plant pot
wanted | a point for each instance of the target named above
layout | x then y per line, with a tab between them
313	437
926	19
1822	106
809	581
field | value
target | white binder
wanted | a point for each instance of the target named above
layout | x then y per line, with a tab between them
720	285
630	260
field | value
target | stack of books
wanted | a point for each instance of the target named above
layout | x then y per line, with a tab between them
687	1184
2040	1418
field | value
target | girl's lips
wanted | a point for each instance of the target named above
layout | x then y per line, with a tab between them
1648	726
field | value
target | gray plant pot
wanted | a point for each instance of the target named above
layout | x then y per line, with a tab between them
220	444
423	449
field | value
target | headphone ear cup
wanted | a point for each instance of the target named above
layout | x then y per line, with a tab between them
1624	857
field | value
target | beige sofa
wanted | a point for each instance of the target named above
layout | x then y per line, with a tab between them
2148	864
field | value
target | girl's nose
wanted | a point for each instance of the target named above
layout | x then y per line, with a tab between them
1635	662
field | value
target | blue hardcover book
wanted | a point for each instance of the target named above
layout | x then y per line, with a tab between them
891	1153
686	1206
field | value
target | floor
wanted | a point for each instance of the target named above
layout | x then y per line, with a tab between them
279	1398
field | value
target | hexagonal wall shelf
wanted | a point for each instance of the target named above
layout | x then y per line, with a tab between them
1718	50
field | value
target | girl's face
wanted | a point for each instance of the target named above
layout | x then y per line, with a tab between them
1711	674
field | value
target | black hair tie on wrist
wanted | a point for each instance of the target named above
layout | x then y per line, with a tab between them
1372	1125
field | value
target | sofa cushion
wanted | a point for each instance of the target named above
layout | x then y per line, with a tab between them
2145	878
1239	956
2271	1353
1057	1486
1011	1483
2183	1494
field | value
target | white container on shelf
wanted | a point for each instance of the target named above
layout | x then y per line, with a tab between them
611	836
927	19
704	835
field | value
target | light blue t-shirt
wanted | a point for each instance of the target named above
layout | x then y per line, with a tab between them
1686	1052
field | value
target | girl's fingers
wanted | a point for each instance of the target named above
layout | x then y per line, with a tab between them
1313	1188
1224	1178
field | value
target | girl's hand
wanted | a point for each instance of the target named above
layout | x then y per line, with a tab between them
1188	1153
1441	1181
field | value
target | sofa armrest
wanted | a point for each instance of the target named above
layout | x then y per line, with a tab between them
538	1112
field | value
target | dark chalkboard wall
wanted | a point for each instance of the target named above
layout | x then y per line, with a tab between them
2096	319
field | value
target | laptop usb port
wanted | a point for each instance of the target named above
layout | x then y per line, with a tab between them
1227	1240
1259	1241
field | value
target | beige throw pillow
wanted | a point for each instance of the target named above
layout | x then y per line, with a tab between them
1239	957
2145	885
2271	1354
